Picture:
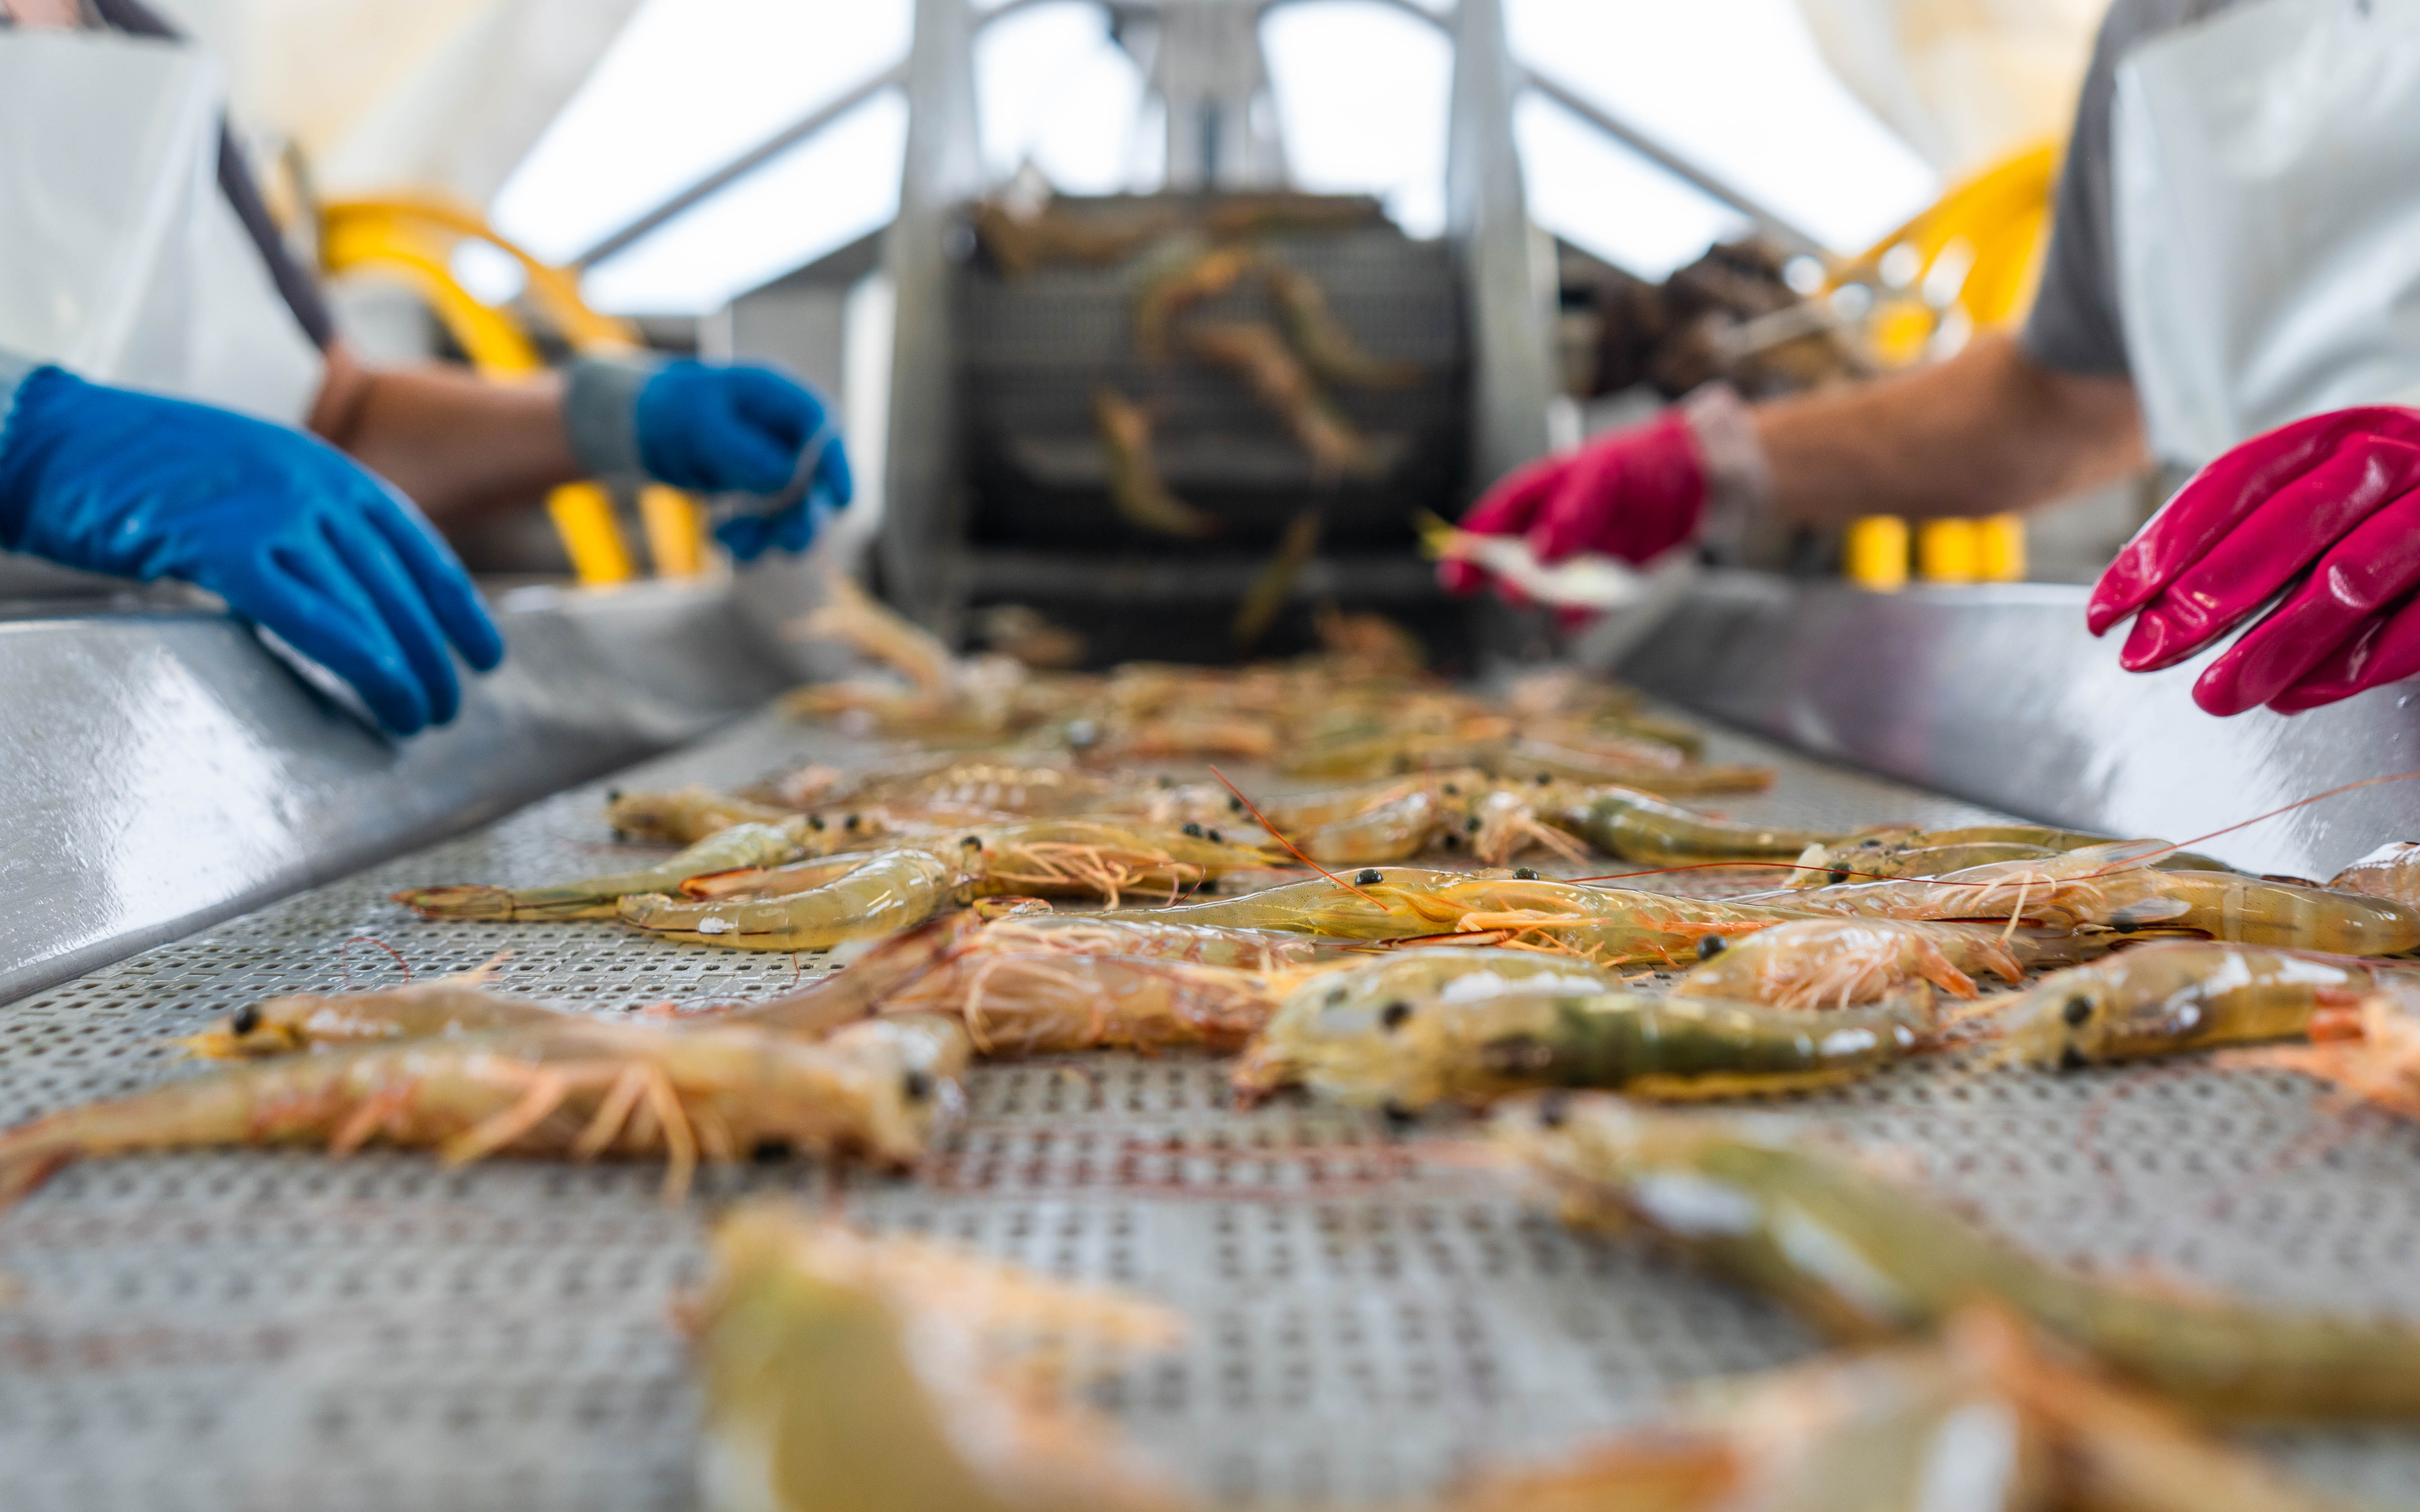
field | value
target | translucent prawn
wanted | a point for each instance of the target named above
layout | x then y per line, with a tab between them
1326	343
2174	996
2391	872
1904	851
1047	1001
685	816
1647	767
307	1021
1106	859
1639	827
740	845
1469	1027
838	1370
887	891
2377	1064
2025	1425
1837	963
575	1087
1773	1205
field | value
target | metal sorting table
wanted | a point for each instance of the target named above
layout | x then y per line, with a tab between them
275	1329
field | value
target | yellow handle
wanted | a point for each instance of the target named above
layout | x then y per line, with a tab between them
1875	553
583	517
675	530
1947	551
2000	541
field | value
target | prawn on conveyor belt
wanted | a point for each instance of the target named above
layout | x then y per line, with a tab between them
1258	355
572	1088
1469	1027
1327	346
307	1021
2169	997
1768	1202
1904	851
1840	962
731	849
1137	490
2114	887
1642	827
871	897
1986	1416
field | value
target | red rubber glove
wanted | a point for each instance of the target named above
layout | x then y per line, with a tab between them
2340	490
1634	494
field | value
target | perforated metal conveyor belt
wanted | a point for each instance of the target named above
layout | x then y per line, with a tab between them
272	1330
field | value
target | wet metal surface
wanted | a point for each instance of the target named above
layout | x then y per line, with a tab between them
277	1331
1999	695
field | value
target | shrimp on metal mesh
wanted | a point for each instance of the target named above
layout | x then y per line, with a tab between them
1368	904
1839	962
1639	827
1137	490
307	1021
1774	1205
2107	885
1205	274
1327	346
1471	1025
1104	858
726	850
1606	926
844	1371
686	815
2027	1425
2168	996
1258	355
875	895
1904	851
2376	1064
1045	1002
1644	766
575	1087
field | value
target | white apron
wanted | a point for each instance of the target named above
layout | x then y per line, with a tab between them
120	258
2266	188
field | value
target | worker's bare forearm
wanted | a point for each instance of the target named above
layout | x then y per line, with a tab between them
458	444
1988	431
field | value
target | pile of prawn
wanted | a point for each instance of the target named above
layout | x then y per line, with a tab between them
1044	877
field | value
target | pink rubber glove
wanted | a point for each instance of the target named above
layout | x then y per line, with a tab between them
1632	494
2338	490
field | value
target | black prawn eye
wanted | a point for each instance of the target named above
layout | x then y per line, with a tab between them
247	1018
2077	1010
1234	805
1369	876
1838	877
1712	945
612	794
1392	1016
1213	837
815	823
1524	874
916	1085
849	823
1194	830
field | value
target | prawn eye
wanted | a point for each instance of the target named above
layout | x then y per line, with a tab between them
1235	805
1392	1016
1213	837
1471	824
849	823
1194	830
1524	874
1836	877
612	794
972	843
915	1086
2077	1010
1450	841
1545	777
247	1018
1451	791
1712	945
1398	1116
1209	885
1369	876
1335	995
815	823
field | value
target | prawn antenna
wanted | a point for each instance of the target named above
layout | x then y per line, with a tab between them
345	957
2298	803
1255	809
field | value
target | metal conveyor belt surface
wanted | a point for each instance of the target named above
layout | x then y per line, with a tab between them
270	1330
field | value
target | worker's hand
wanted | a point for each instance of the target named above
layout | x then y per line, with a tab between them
744	430
294	536
1632	494
2338	494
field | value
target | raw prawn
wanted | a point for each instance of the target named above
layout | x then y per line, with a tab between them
305	1021
887	891
740	845
1205	275
1646	766
2380	1065
1045	1001
574	1088
846	1373
1375	907
2391	872
2172	996
1258	355
1104	859
1639	827
686	816
1837	963
1327	344
1469	1027
1769	1203
1136	487
1904	851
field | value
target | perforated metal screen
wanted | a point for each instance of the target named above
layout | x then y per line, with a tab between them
272	1330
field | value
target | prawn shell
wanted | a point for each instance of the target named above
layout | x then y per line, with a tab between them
893	890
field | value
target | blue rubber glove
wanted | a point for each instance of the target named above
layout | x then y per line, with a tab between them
747	430
293	534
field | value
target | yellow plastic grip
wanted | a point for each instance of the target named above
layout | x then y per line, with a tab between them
1875	553
583	517
2000	540
1947	551
675	531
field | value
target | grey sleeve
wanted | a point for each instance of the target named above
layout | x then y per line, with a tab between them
2074	326
600	402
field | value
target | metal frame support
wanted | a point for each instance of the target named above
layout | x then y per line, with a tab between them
1487	219
919	549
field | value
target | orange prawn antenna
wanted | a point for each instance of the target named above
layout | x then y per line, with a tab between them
1255	811
344	957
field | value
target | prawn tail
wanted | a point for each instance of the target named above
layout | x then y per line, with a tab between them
27	1159
1938	969
480	903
